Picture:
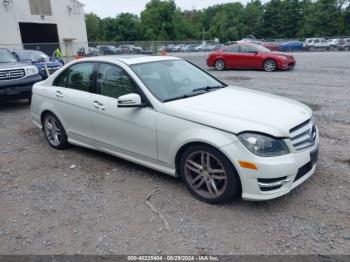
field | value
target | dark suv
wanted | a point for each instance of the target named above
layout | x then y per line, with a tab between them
16	79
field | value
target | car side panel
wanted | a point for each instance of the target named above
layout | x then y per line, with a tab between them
173	133
73	115
130	131
232	60
76	108
250	61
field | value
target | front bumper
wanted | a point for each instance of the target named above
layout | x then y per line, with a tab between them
280	174
288	64
18	88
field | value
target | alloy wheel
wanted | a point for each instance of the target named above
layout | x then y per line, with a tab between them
219	65
53	131
270	65
205	175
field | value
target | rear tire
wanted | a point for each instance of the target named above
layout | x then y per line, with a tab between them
346	48
54	132
219	65
209	175
269	65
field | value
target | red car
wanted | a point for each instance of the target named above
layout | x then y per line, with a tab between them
250	56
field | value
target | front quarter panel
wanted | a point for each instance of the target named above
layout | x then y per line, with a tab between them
173	133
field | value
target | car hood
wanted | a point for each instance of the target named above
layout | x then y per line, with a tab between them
48	64
281	53
236	110
4	66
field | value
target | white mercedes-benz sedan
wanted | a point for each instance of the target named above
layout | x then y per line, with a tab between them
169	115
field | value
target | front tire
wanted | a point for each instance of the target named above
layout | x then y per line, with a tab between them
219	65
54	132
269	65
209	175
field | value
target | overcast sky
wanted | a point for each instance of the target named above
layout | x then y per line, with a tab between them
105	8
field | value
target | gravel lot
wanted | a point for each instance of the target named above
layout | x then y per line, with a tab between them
79	201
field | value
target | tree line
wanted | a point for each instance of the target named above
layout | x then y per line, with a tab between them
162	20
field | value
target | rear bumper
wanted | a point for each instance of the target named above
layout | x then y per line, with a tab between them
19	88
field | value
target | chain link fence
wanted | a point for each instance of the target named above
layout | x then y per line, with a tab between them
71	50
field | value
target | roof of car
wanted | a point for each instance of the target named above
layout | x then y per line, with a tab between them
134	59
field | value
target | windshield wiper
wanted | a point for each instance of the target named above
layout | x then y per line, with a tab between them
182	97
207	88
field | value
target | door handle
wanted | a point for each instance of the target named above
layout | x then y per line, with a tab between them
96	105
99	105
59	94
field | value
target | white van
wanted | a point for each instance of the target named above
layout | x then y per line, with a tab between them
312	44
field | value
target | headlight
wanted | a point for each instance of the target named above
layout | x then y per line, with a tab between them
31	70
262	145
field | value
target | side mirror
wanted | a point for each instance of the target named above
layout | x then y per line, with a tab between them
130	100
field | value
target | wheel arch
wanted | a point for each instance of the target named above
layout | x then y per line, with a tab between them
222	59
193	143
42	116
182	149
49	110
270	58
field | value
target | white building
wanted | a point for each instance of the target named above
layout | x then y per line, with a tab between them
43	24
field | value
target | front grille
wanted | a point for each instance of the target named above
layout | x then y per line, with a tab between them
12	74
303	135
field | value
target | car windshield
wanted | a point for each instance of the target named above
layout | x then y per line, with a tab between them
35	56
175	79
261	48
6	57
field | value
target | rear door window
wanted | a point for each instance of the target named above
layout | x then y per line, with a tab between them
81	77
247	49
232	49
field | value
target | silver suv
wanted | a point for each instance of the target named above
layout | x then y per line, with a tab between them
16	79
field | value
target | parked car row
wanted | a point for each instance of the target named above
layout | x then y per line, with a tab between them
310	44
203	47
111	50
340	44
122	49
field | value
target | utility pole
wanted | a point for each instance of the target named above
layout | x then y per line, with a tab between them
203	34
